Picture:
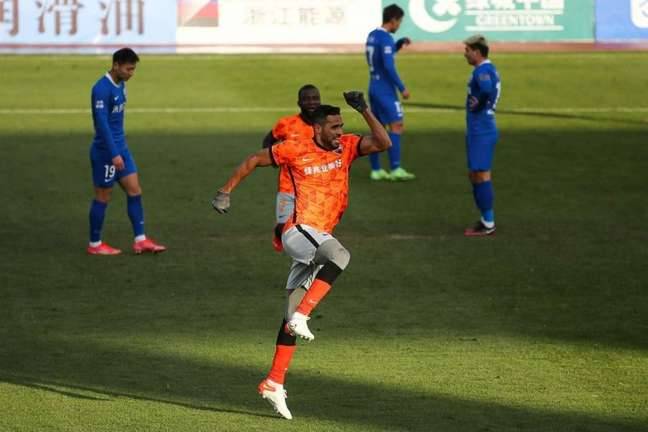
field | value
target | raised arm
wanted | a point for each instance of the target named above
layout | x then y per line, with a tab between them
261	158
379	139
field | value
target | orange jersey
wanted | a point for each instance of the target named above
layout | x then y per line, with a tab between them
290	127
319	179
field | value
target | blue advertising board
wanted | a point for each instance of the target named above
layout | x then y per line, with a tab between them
621	20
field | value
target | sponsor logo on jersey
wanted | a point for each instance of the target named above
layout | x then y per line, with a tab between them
118	108
319	169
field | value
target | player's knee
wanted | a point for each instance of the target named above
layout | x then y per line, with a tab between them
397	128
103	195
333	251
134	190
479	176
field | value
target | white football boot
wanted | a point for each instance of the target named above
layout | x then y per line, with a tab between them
276	395
299	327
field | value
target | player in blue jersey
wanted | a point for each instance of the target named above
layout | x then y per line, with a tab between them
481	134
383	86
110	159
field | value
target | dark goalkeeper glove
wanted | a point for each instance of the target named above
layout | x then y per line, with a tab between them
356	100
221	202
400	43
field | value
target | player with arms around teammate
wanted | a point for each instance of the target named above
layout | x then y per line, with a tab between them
481	134
291	127
384	83
319	167
110	159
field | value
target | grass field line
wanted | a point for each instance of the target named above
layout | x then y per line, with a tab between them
207	110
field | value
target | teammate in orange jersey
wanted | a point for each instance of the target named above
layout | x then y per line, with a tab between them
319	169
291	127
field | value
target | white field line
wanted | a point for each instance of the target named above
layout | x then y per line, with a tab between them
207	110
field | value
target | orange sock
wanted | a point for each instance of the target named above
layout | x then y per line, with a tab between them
280	363
314	295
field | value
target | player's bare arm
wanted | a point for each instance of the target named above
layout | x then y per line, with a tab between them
379	139
261	158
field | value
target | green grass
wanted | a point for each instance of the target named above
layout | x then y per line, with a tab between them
542	328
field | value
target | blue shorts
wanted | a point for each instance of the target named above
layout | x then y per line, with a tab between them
386	107
104	174
480	150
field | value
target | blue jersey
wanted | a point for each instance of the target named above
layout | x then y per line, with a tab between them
485	85
108	102
380	50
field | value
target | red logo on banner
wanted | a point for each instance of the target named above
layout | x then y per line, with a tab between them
198	13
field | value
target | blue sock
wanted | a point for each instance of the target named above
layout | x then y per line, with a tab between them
483	194
394	151
136	214
374	158
96	216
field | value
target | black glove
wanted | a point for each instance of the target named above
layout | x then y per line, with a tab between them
402	42
221	202
355	99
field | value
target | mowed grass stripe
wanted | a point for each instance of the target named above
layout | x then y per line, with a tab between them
72	111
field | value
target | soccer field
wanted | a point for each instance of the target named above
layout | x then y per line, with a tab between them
541	328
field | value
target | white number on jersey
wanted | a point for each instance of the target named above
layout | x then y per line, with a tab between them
370	53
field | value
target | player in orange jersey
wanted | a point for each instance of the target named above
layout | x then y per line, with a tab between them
319	169
291	127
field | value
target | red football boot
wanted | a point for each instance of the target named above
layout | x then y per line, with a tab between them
147	245
479	230
103	249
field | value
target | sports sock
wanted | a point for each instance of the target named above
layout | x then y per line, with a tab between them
483	194
284	350
319	288
394	151
313	296
96	216
136	214
374	158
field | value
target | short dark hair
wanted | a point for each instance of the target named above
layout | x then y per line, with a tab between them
304	88
321	112
483	49
392	11
125	55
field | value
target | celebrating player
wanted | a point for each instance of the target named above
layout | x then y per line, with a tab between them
110	159
481	134
291	127
384	81
319	167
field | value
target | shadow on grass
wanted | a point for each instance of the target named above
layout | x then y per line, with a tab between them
534	113
86	295
218	387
